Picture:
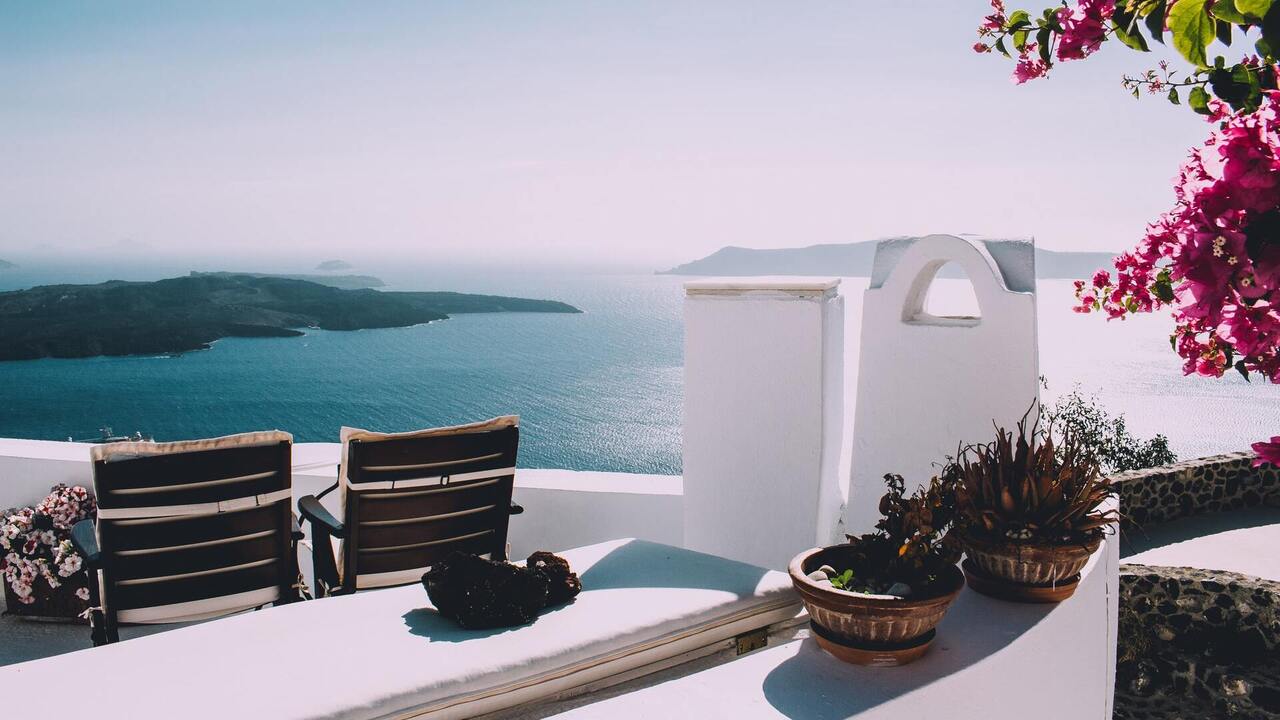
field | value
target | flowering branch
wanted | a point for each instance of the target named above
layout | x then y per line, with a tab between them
1213	261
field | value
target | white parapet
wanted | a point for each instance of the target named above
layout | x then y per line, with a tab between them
762	416
927	384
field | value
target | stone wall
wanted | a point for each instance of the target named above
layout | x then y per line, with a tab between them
1197	643
1204	485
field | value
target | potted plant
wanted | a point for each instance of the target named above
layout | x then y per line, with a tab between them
877	599
41	573
1029	512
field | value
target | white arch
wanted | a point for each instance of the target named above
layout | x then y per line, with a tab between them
928	383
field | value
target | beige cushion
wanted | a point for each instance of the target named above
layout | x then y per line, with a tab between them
111	452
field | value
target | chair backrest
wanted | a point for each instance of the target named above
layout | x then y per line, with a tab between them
409	499
192	530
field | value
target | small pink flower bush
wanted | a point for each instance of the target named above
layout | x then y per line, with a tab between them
36	556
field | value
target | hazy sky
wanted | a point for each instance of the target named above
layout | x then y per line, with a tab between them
638	132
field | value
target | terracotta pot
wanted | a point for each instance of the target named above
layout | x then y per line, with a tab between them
1025	573
901	628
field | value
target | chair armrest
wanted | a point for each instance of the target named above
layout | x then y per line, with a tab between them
516	509
316	513
85	541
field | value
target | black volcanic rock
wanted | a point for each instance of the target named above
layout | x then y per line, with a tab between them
188	313
563	584
479	594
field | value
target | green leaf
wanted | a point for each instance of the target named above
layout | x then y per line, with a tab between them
1017	17
1226	10
1192	28
1020	39
1223	31
1254	9
1199	100
1163	286
1173	96
1271	29
1042	43
1003	50
1122	22
1244	371
1155	21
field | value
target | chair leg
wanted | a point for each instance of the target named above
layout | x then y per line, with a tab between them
323	563
99	632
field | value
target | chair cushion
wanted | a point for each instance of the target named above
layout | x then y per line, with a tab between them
387	653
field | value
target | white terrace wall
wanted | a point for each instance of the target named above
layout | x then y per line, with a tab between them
928	383
563	508
764	367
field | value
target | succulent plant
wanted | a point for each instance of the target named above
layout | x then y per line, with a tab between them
1039	486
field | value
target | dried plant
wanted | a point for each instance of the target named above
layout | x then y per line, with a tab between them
1038	487
910	544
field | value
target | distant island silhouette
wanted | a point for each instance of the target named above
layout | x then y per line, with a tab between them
331	265
188	313
855	259
6	265
346	282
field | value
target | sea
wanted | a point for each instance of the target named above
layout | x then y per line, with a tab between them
601	390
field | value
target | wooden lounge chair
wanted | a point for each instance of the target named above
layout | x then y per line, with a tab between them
409	499
189	530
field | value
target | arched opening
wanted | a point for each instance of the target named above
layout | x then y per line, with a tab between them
943	294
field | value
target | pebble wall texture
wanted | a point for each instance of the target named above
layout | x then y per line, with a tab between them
1196	643
1205	485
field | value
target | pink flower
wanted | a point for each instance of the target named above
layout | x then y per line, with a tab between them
1029	66
1083	28
1267	452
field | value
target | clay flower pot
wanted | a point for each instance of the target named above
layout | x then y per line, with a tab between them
1025	572
880	630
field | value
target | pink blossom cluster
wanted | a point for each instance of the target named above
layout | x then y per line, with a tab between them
1084	27
35	544
1215	258
1267	452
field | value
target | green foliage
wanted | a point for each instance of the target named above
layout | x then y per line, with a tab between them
910	545
1193	29
1042	486
1106	436
843	581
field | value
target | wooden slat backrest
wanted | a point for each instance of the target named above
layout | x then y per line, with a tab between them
183	527
411	501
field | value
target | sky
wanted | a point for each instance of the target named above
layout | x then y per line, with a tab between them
645	133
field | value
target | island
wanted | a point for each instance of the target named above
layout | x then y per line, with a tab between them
855	260
346	282
189	313
333	265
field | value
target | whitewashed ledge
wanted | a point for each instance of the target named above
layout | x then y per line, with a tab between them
563	508
992	660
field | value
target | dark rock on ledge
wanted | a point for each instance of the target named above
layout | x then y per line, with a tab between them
479	594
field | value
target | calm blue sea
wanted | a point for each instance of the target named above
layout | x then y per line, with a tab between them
597	391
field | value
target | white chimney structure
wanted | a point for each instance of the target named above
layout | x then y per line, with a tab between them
928	383
763	407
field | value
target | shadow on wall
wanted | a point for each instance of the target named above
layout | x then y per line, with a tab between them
812	686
